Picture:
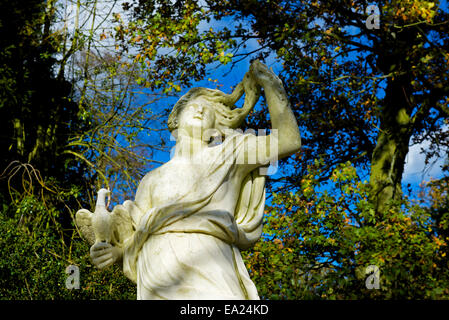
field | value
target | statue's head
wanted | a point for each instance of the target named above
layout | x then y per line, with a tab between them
206	109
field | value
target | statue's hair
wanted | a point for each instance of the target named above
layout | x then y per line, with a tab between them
227	115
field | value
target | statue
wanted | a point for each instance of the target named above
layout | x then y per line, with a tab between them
181	237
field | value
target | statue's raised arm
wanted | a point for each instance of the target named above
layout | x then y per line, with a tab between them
281	115
284	139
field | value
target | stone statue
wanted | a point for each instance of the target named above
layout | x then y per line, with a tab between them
181	237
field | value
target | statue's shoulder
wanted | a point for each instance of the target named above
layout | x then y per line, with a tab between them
155	174
150	175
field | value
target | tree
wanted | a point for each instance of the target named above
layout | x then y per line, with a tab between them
35	110
361	94
126	124
359	97
320	242
68	99
109	88
44	125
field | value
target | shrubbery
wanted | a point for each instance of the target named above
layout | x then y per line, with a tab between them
320	240
33	262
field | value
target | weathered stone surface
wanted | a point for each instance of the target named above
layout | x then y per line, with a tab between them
181	236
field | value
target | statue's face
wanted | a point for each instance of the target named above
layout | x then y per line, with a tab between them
197	116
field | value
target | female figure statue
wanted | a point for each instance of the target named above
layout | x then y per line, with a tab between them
181	237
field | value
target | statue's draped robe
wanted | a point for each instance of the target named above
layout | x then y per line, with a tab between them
183	251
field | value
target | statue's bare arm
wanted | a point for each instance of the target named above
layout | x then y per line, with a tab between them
284	138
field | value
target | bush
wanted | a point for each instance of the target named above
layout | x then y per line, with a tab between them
33	262
320	240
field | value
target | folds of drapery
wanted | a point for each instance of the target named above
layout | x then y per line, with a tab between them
241	228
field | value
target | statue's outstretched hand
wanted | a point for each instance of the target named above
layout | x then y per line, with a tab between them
104	254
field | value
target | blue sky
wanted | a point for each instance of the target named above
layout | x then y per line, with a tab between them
415	169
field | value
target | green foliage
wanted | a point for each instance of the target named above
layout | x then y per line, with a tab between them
320	240
57	142
33	261
36	113
357	96
173	46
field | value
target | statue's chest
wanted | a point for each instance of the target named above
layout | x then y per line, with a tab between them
175	181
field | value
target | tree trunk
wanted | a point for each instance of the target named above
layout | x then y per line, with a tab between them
20	136
387	165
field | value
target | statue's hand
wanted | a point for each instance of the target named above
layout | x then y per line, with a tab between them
104	254
263	76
